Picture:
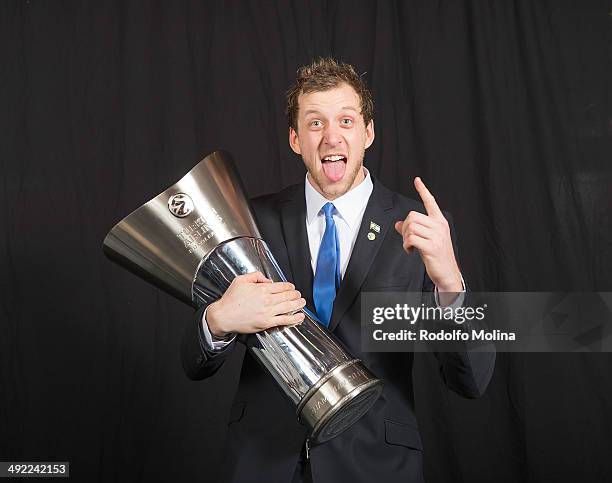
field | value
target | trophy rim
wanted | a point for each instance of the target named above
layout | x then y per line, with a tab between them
367	382
123	243
376	384
105	245
315	387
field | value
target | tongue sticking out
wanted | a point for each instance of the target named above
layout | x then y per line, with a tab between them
334	170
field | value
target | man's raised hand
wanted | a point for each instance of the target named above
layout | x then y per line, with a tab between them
430	235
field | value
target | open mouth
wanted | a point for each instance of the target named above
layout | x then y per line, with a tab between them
334	166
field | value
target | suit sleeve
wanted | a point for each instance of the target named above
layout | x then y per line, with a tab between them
200	362
466	372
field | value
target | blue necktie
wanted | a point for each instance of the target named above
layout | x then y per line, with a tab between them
327	276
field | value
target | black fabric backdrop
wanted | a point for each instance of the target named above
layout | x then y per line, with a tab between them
504	108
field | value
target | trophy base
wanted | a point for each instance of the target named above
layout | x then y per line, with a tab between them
338	400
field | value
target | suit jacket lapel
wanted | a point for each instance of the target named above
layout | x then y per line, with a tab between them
293	220
378	210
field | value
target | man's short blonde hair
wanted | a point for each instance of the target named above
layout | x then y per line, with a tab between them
323	74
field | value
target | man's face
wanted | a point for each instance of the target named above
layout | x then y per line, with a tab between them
332	138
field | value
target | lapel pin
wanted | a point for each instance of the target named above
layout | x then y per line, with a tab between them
371	236
374	227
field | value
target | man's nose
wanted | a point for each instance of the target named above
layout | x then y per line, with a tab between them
332	135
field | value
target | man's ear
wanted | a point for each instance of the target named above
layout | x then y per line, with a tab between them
294	141
369	134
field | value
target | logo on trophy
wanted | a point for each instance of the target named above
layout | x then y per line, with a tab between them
192	240
180	205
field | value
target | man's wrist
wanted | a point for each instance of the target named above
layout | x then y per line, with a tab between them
207	341
217	334
450	298
453	284
223	338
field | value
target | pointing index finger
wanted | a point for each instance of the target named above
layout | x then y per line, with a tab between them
429	201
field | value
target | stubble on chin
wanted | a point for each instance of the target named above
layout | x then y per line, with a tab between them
333	192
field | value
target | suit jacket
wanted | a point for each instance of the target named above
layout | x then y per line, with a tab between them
264	436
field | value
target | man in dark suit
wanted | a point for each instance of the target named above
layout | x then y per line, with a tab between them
330	117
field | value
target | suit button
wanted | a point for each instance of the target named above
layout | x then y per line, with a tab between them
200	359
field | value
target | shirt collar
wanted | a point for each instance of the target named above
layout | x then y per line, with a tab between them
349	206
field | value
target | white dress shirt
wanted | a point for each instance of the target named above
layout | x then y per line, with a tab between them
349	211
348	214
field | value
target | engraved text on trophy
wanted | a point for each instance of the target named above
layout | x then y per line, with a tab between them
199	231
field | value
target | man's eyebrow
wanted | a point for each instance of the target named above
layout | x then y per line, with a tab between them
345	108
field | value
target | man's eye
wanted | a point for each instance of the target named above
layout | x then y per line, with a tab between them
316	123
347	122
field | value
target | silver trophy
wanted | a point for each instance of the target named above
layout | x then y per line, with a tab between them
192	240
